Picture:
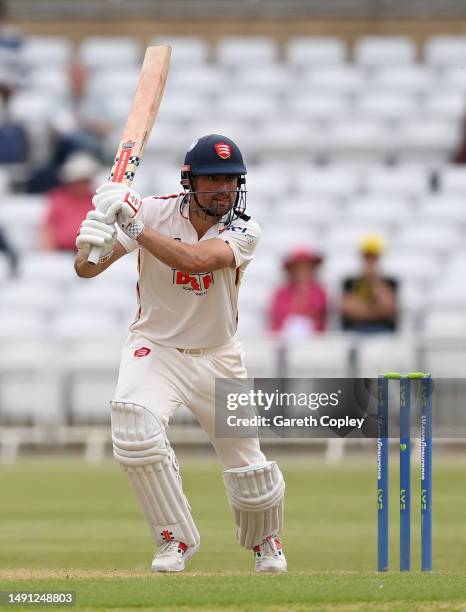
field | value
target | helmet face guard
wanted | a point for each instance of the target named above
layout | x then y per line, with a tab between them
215	155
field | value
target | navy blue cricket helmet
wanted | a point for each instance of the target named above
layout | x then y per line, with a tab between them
215	155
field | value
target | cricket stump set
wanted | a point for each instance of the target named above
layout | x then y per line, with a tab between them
425	381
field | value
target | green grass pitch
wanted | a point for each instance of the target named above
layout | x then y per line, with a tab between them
66	525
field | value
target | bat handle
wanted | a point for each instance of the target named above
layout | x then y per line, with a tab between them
94	255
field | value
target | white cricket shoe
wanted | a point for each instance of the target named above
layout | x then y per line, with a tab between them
172	556
270	556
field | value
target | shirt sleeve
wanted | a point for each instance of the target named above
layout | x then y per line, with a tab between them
242	236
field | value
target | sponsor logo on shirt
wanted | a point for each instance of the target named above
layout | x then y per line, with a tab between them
198	282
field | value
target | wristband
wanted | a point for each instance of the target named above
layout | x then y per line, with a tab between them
134	230
105	257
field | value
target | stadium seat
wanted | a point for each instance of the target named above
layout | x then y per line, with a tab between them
421	141
324	356
348	233
77	323
22	218
445	207
121	82
49	51
386	353
377	51
272	80
208	79
319	51
55	81
412	265
31	393
40	297
187	51
247	106
360	139
338	181
451	80
310	105
446	105
387	106
98	52
16	326
94	297
404	181
411	79
389	211
240	51
344	79
452	181
292	138
445	50
446	323
175	110
449	294
430	236
315	212
261	356
47	266
44	107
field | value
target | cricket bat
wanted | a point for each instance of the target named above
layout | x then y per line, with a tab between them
144	109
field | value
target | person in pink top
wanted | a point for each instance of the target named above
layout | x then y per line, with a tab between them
299	307
68	204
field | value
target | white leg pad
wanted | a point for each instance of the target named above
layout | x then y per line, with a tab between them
256	494
143	451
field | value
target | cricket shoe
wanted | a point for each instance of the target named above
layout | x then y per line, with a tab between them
270	556
172	556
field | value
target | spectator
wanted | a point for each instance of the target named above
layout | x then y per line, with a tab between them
369	301
299	306
68	204
14	141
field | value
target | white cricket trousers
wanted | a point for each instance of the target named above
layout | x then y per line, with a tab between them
162	378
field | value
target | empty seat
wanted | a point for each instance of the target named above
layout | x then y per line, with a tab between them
411	79
19	296
388	210
426	141
21	325
347	234
261	355
77	323
445	207
426	235
187	51
247	106
446	323
452	180
358	139
377	51
47	51
240	51
449	105
445	50
320	357
55	81
328	181
319	51
273	79
47	266
387	106
386	353
22	218
342	79
410	265
310	105
452	80
208	79
109	51
44	107
121	82
174	108
449	294
405	181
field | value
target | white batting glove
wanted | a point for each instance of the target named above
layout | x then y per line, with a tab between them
94	231
121	204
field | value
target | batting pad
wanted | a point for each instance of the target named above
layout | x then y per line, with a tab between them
142	448
256	495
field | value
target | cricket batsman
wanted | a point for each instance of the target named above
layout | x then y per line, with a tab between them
193	248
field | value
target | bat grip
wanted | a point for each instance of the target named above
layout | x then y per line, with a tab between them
94	255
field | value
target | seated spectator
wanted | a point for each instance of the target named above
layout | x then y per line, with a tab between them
68	205
299	306
369	301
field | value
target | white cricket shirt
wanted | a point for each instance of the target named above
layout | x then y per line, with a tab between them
187	310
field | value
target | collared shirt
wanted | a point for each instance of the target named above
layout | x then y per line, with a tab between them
181	309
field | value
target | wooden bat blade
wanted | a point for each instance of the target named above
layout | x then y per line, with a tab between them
141	118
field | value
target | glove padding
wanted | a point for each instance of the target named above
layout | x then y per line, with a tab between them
94	231
120	204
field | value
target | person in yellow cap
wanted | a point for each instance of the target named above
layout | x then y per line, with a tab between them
369	302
